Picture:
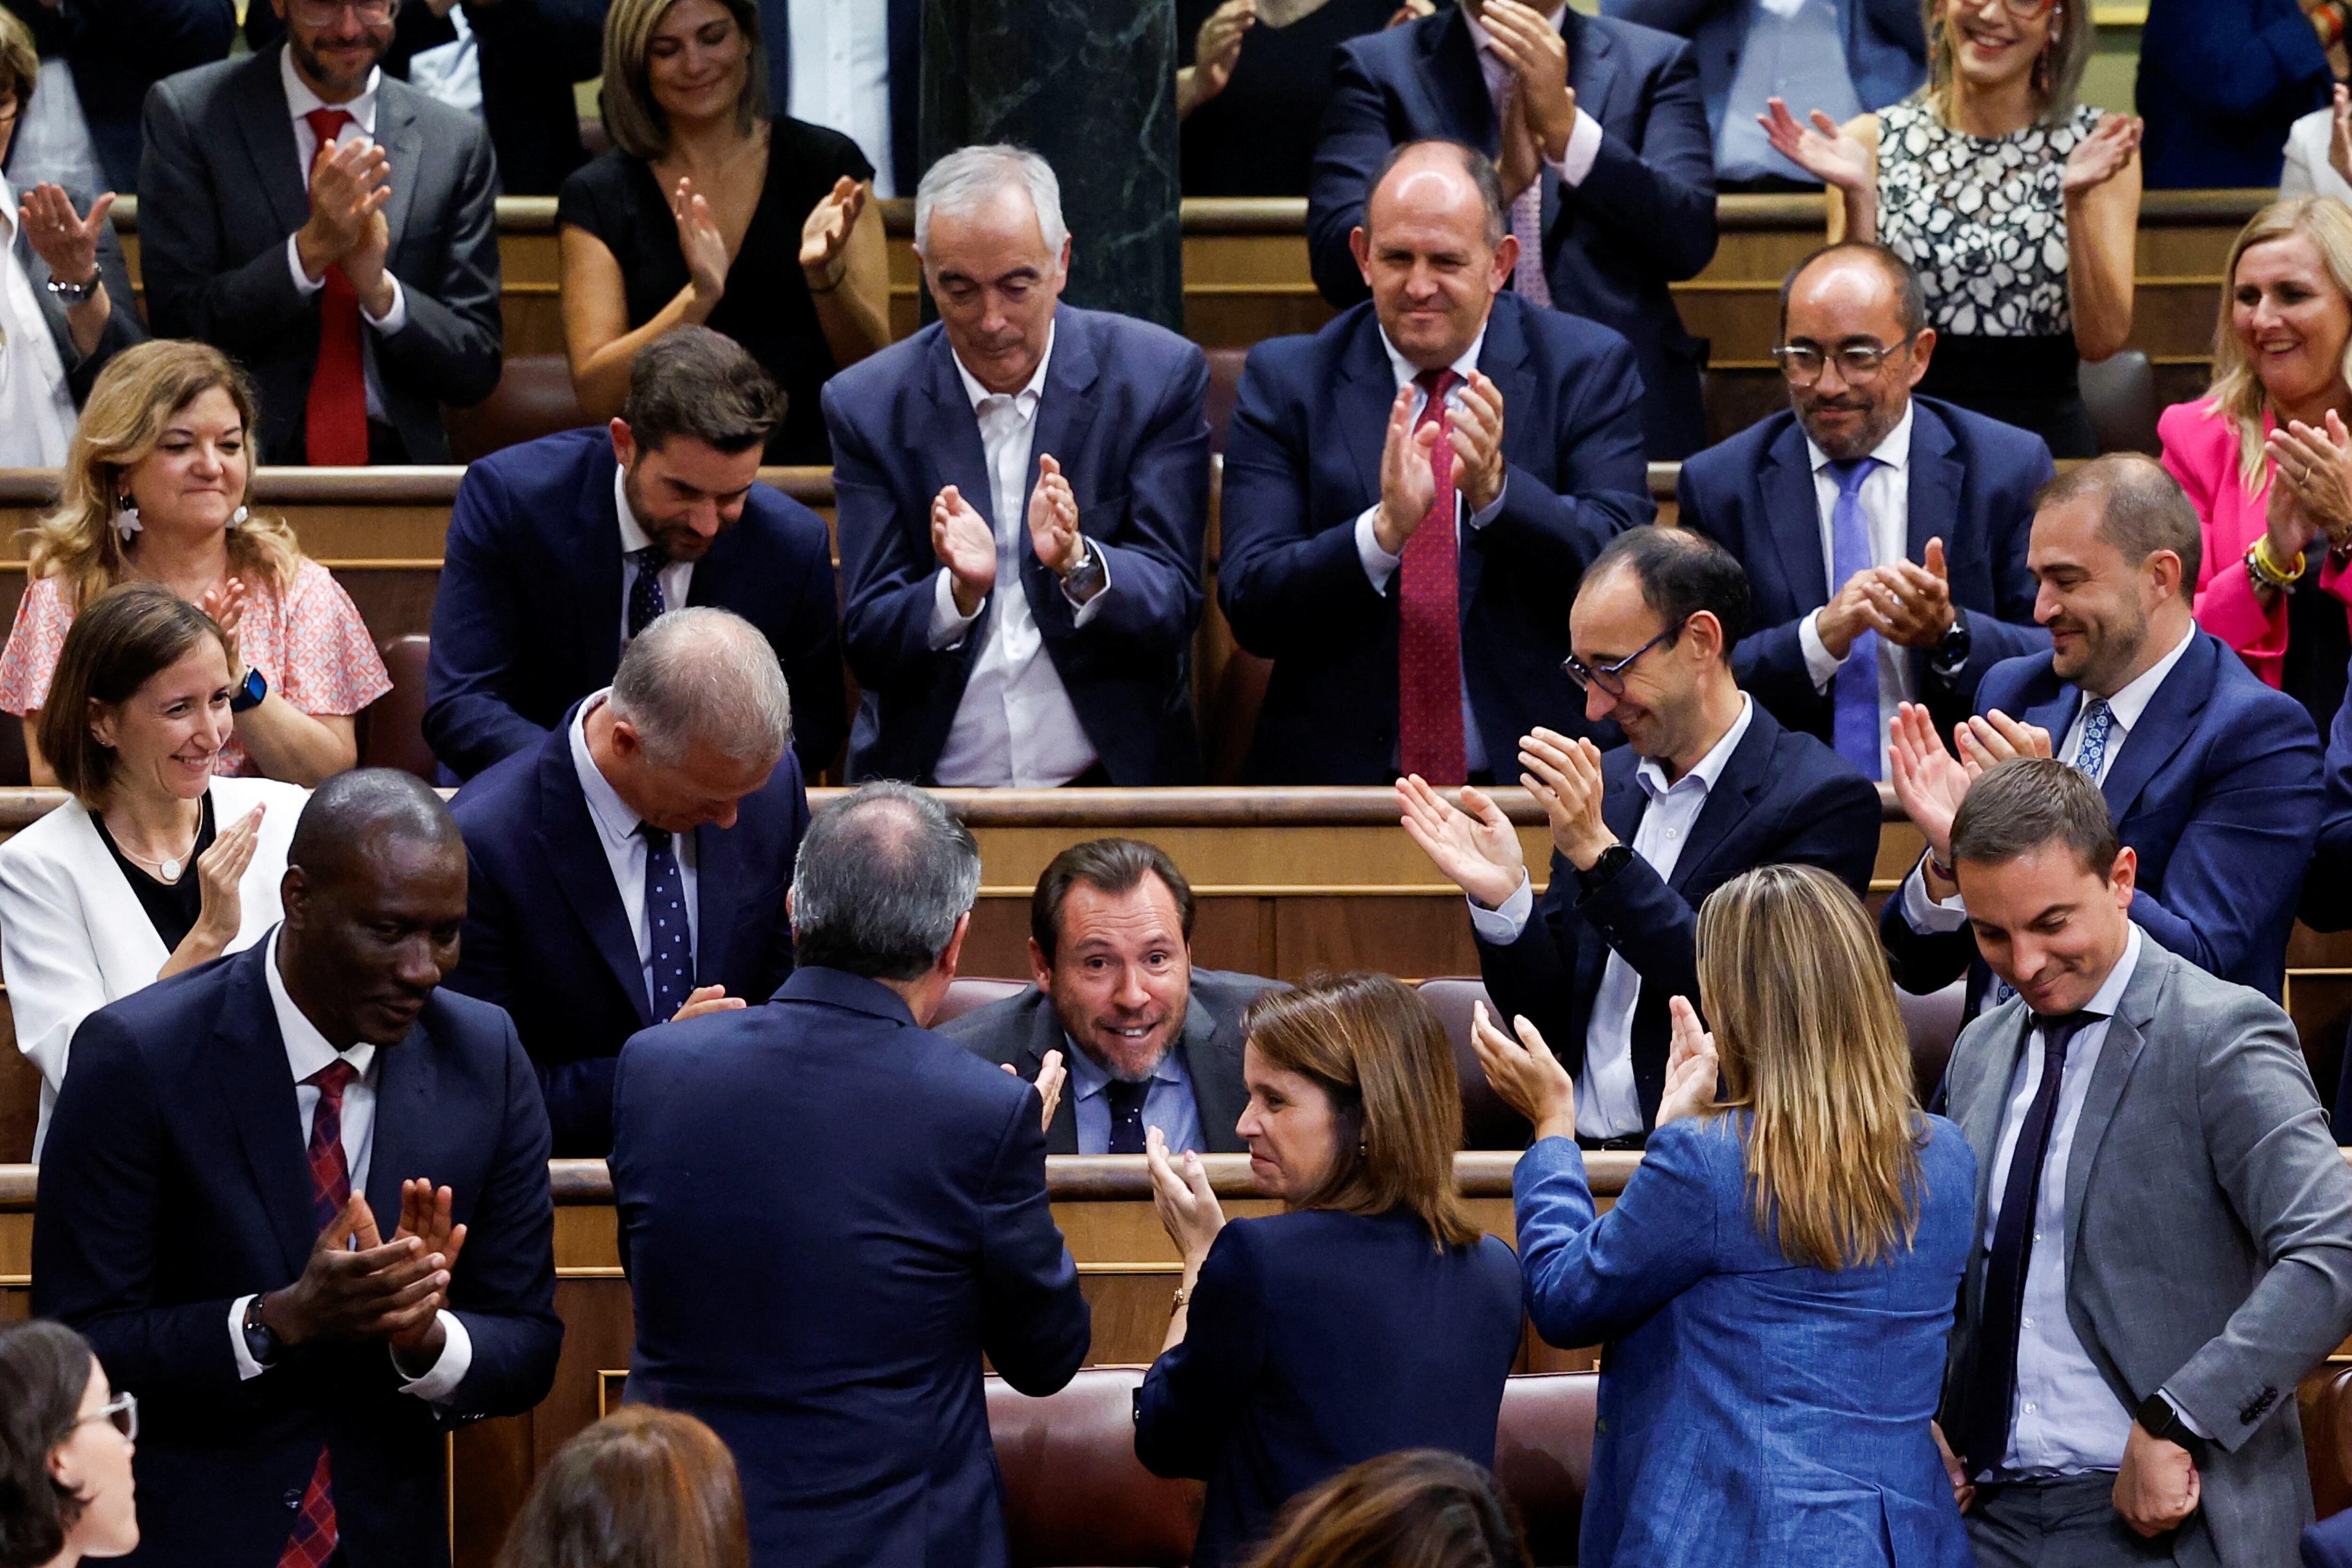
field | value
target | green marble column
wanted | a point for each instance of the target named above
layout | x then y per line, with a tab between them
1091	85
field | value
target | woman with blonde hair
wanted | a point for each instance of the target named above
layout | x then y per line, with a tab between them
1372	1314
2017	207
644	1488
158	488
1775	1285
2266	457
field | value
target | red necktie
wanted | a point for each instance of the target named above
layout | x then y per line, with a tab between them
314	1536
1429	637
335	418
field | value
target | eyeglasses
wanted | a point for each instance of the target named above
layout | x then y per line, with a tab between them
1610	678
123	1413
2023	10
1802	363
323	12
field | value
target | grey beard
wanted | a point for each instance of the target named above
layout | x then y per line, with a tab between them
1118	1074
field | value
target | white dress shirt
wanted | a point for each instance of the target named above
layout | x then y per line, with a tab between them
37	407
1608	1104
1380	565
300	101
1886	498
674	578
2065	1419
307	1053
1168	1104
841	76
2127	705
625	850
1583	137
1014	726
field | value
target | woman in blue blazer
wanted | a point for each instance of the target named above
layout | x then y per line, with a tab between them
1372	1315
1774	1287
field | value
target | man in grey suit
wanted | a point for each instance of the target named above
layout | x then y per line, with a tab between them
1148	1039
331	227
2166	1222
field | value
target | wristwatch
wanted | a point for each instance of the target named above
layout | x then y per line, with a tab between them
1084	579
250	690
2158	1418
1613	860
261	1340
74	293
1951	653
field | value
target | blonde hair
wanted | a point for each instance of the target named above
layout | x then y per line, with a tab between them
2056	75
635	123
20	61
1371	1042
134	397
2236	393
1813	1049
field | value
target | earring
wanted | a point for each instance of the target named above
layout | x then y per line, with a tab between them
126	521
237	518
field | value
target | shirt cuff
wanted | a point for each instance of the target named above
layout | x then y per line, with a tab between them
456	1360
1583	149
247	1366
304	284
1820	662
1923	914
948	623
1379	565
394	320
1492	509
1092	607
1501	926
2186	1418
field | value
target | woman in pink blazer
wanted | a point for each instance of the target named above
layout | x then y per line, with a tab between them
2266	456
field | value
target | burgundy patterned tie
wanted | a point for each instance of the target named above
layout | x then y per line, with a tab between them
313	1540
1429	636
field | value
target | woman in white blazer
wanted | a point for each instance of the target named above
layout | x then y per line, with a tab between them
156	865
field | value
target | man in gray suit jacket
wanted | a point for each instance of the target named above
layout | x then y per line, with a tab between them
361	288
1146	1039
2166	1222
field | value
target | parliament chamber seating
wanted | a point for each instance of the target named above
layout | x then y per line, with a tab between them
2119	394
969	992
392	730
533	397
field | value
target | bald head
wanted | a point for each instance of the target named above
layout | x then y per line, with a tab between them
348	815
1433	249
1854	329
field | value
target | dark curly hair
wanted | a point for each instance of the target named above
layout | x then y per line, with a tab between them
44	1372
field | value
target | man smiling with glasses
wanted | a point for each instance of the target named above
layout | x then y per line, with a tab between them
1884	534
1707	786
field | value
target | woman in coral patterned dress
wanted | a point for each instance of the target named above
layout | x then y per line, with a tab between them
156	488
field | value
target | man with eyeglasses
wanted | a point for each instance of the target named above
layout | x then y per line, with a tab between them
1884	534
333	229
1706	787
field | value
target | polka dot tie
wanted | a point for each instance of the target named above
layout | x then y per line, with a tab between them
646	602
673	940
2098	725
1125	1102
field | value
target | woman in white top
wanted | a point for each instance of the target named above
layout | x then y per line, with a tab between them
157	864
2319	152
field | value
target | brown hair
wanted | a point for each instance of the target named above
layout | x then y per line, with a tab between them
1422	1508
644	1488
696	382
2016	807
1107	865
1814	1048
133	398
2055	76
118	644
44	1373
2142	509
20	60
2236	393
635	123
1371	1042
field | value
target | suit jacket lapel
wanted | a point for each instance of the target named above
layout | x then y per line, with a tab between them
251	1069
1934	484
395	130
1503	358
1207	1063
1745	773
2056	715
1066	413
2165	725
2119	1053
1788	484
959	459
1592	73
1367	387
718	877
398	1147
267	123
597	571
1045	1034
1458	88
575	858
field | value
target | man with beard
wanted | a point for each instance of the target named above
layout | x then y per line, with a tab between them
1707	786
2212	776
563	549
1883	535
1148	1039
332	229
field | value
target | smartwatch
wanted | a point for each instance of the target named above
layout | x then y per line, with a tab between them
261	1340
2158	1418
1613	860
1951	653
250	690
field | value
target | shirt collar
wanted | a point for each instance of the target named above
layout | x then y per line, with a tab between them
1652	777
301	101
2110	994
2130	703
1406	369
613	819
1894	450
1028	396
633	537
306	1050
1483	41
1088	1079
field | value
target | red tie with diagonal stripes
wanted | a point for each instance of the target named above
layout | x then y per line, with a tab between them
1429	634
334	416
313	1539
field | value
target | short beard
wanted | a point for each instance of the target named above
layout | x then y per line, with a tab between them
307	60
1123	1075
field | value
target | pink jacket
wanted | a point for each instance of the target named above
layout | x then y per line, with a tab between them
2201	450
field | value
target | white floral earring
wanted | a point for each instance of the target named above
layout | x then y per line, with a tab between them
126	519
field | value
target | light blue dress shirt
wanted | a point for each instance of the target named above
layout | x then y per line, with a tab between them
1168	1106
1795	51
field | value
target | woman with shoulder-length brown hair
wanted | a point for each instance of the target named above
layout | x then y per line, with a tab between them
158	488
1776	1282
1423	1508
641	1487
1372	1314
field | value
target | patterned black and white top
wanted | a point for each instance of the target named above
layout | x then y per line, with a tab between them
1982	221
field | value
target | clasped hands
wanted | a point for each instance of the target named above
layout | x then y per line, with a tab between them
966	546
2310	487
1409	473
1906	603
349	183
1539	106
357	1286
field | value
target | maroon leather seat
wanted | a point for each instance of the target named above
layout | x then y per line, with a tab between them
392	730
2325	1397
1487	1121
966	992
1543	1454
533	397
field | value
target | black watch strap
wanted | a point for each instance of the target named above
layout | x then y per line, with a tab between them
1613	860
261	1340
2158	1418
1951	653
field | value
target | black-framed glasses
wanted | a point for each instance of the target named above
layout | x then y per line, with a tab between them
1610	678
323	12
121	1412
1858	362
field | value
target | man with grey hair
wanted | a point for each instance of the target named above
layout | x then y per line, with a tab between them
1022	445
873	1198
630	868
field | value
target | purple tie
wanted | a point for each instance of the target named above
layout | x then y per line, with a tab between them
1853	690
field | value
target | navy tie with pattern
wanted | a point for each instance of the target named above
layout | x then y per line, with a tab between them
646	602
1126	1114
673	940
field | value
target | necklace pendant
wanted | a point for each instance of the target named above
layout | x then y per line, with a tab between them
169	871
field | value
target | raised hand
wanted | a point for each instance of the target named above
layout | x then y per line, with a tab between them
225	601
1216	49
349	183
700	241
1478	442
1564	776
1053	520
1987	740
963	541
1181	1194
704	999
1691	1064
825	235
1928	781
1852	610
1476	847
426	1213
1408	482
1051	1076
2339	138
368	1291
66	242
219	869
2100	156
1538	55
1525	1073
1823	149
1521	163
2314	464
363	264
1915	602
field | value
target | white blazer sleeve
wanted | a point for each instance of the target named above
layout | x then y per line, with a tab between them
50	963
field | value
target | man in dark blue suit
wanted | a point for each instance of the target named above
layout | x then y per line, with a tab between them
1883	535
1706	787
630	869
1605	161
1019	443
2221	83
873	1198
2212	776
562	550
226	1155
1411	624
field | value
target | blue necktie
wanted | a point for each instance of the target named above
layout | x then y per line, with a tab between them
1125	1102
673	940
1853	690
2098	723
646	604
